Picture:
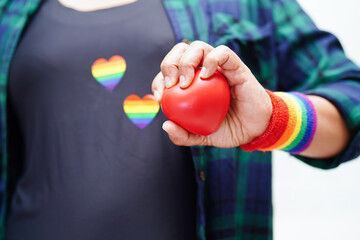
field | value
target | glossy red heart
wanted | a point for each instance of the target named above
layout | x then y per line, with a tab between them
201	107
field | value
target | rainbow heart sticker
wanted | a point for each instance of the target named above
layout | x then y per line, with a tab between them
109	73
141	111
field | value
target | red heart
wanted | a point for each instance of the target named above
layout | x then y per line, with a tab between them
201	107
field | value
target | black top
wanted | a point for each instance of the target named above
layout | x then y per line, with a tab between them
88	170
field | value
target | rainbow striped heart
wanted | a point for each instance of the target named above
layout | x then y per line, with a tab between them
141	111
109	73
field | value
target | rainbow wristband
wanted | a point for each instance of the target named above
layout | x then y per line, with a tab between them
292	126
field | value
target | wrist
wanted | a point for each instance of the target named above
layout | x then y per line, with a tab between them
292	125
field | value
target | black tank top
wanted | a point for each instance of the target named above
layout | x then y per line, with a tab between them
92	159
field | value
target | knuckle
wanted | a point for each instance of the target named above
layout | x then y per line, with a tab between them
212	57
223	48
181	45
185	63
165	66
199	46
158	83
197	43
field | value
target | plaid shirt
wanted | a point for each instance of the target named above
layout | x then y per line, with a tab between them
284	50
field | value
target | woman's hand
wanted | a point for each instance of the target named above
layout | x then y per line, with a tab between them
250	107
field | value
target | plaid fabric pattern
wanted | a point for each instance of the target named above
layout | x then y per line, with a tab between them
284	50
13	17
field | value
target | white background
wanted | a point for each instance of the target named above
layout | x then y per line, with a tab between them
321	204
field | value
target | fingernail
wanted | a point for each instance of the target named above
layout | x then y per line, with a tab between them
167	82
182	81
165	127
157	95
203	73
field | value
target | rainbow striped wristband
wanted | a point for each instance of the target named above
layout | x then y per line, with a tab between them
292	126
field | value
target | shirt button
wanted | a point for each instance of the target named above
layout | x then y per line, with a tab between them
202	176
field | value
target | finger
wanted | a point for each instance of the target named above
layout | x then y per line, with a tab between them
179	136
190	60
225	58
158	86
169	66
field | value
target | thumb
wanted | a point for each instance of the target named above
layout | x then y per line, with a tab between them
179	136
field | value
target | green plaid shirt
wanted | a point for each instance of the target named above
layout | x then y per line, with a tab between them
284	50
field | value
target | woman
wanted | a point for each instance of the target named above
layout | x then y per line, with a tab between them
93	170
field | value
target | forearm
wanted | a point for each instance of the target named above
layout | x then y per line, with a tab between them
309	126
332	135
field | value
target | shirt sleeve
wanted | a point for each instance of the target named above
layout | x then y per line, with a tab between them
313	62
